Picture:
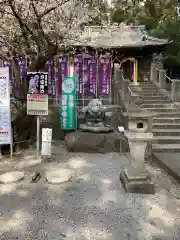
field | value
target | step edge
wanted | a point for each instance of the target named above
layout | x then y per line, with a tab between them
165	130
166	146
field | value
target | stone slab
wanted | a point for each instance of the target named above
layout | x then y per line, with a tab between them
170	162
96	142
97	129
11	177
137	186
57	176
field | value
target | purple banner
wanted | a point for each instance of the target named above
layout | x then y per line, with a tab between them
86	76
47	68
78	66
53	77
104	75
22	65
62	70
92	68
9	64
50	69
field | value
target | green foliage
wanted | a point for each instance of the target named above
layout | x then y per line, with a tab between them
161	20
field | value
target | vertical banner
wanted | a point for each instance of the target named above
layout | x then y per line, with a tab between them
62	70
78	66
22	67
5	112
104	75
37	82
50	69
9	65
85	73
92	68
68	113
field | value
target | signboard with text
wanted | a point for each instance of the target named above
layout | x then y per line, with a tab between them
37	82
46	141
68	104
37	104
5	112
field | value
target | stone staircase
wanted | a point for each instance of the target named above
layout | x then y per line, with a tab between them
166	125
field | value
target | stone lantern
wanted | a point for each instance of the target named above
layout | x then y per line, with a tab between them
139	133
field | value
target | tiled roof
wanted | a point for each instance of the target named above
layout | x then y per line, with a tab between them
117	37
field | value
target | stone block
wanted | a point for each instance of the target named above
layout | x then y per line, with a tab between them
137	173
137	184
96	142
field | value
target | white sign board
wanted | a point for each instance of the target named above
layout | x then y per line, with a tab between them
37	104
46	141
5	111
47	135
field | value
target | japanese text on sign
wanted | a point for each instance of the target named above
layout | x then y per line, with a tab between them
37	82
5	112
37	104
68	103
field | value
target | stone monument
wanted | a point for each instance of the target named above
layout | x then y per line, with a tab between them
136	178
95	117
95	133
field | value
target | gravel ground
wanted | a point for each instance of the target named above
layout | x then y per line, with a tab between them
93	205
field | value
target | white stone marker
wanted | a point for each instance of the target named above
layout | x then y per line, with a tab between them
46	142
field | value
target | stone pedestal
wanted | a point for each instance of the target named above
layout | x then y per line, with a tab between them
96	142
135	178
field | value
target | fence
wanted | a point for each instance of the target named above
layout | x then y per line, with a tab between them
121	88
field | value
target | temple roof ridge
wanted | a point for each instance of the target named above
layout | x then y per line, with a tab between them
117	36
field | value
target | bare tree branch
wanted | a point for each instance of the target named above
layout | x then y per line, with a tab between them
46	12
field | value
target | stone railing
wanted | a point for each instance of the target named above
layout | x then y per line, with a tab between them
122	92
171	87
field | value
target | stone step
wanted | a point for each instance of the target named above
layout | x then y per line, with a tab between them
157	105
166	125
144	94
168	114
141	88
167	120
150	92
166	132
158	101
166	148
151	97
163	110
146	83
166	139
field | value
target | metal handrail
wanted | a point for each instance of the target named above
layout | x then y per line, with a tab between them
168	77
